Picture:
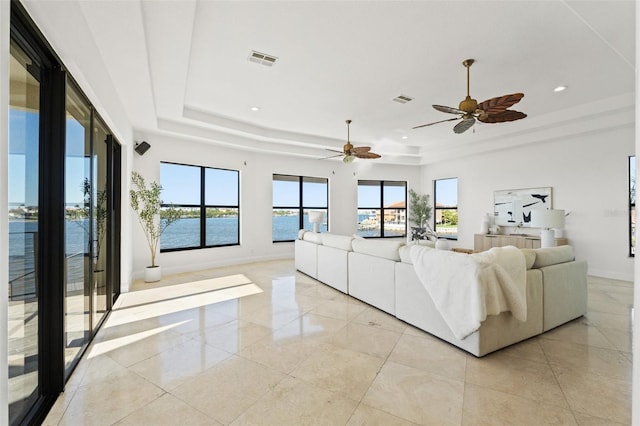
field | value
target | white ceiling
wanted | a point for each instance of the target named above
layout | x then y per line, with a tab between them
182	68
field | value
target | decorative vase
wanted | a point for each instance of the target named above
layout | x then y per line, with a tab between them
486	224
152	274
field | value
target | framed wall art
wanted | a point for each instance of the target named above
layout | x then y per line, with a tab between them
512	207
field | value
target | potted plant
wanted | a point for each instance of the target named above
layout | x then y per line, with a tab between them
145	201
420	213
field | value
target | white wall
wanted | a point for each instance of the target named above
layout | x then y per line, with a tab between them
256	170
4	207
589	177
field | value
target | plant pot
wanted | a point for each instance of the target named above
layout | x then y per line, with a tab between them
152	274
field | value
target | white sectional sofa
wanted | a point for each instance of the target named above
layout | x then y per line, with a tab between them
380	273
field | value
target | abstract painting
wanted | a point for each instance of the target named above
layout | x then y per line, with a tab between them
512	207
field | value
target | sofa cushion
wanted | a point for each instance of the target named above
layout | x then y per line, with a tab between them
301	234
553	255
405	254
312	237
529	257
384	249
342	242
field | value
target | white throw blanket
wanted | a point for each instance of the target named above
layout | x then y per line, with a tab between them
467	287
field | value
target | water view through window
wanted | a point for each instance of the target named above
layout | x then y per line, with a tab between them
208	202
293	197
382	208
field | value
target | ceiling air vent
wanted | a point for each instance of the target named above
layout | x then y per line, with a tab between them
262	58
403	99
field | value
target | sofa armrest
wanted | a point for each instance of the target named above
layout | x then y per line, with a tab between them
565	292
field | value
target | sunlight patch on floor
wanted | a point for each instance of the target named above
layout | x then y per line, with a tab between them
145	304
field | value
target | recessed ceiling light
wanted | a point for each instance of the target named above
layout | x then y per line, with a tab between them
405	137
560	88
254	108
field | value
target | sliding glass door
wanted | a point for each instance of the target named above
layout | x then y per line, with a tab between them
24	253
88	196
78	227
64	223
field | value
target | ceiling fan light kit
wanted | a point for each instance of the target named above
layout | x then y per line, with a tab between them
469	111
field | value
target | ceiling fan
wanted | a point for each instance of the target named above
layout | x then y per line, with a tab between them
493	110
351	152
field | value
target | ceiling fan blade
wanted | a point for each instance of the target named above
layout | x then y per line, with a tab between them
464	125
499	104
332	156
366	155
334	150
436	122
448	110
501	117
360	149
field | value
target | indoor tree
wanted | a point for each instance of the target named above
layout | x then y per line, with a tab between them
146	202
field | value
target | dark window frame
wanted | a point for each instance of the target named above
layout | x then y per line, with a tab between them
632	205
382	209
203	209
300	207
436	208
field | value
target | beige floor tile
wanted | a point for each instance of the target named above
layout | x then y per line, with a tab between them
602	302
309	326
369	416
588	359
101	368
416	395
127	351
621	340
377	318
339	309
270	316
608	320
530	349
106	402
587	420
430	355
596	395
366	339
174	366
233	336
167	411
295	402
293	301
484	406
228	389
516	376
340	370
283	357
578	331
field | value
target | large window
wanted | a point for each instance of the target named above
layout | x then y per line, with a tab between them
382	210
632	205
446	208
209	206
293	197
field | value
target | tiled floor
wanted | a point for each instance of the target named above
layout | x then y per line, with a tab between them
280	348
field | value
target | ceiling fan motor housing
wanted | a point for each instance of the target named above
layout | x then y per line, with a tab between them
469	105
